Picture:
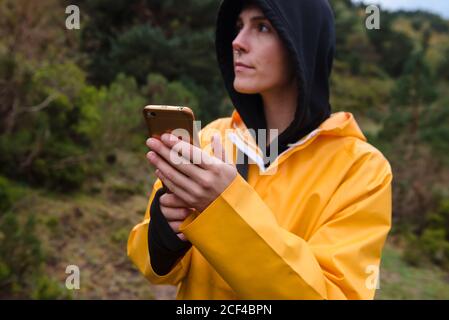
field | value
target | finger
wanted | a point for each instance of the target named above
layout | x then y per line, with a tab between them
173	201
174	188
181	236
171	173
174	225
177	158
173	214
167	141
163	150
192	153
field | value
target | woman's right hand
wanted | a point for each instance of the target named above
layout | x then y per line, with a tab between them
175	210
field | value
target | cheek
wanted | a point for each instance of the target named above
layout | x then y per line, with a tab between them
274	65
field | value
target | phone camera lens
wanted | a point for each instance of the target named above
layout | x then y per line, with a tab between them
152	114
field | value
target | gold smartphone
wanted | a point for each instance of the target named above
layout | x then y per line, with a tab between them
178	120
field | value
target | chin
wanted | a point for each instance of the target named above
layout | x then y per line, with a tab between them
245	88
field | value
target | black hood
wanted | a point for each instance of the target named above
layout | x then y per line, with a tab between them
307	29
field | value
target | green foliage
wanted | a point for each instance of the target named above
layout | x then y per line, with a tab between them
420	18
48	143
411	136
393	47
353	46
141	49
144	50
8	194
413	113
432	245
443	67
161	91
20	249
22	256
120	236
412	95
121	117
372	92
435	131
87	117
47	288
154	37
416	85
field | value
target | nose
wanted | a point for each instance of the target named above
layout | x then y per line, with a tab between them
240	42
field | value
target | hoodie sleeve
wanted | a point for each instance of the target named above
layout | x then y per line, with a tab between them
239	236
164	245
154	250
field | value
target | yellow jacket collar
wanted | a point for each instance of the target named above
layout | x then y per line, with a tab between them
338	124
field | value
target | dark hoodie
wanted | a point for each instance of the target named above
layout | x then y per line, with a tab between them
306	27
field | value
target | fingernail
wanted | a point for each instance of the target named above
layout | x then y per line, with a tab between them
165	137
151	142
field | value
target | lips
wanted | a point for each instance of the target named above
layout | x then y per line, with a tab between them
239	66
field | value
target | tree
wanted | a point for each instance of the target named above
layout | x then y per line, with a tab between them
394	47
414	121
139	38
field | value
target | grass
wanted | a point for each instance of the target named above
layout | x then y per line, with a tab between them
398	280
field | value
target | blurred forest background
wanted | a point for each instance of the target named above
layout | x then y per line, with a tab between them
74	178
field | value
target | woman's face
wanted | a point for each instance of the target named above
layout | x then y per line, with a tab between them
262	51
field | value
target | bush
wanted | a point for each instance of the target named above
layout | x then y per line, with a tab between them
50	145
161	91
432	245
8	194
435	244
46	288
21	253
121	117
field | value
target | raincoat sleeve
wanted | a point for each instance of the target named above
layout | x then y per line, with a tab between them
240	237
139	250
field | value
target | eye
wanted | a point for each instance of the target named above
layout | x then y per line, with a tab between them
263	27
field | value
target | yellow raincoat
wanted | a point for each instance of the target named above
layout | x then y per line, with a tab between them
314	229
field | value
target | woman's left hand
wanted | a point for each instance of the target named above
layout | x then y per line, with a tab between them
189	172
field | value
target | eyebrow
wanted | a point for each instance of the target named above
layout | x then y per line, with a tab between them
255	18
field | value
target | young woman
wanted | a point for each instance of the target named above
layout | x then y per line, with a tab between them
309	221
